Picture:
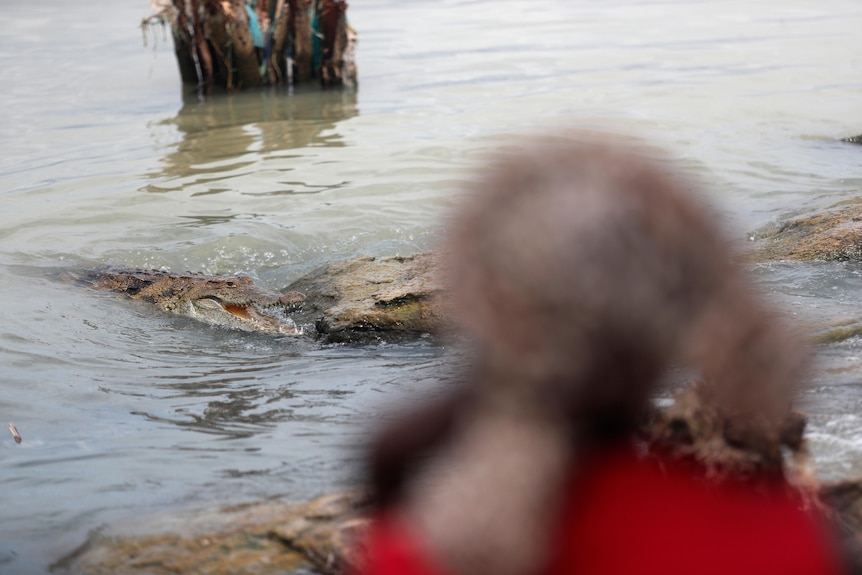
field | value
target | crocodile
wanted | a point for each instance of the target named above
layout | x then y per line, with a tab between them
231	301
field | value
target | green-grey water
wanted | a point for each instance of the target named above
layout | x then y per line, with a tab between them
125	412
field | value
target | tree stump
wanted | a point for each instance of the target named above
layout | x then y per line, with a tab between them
235	45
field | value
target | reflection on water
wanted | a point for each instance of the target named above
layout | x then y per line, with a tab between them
224	135
231	412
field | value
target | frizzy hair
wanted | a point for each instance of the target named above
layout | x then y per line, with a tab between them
582	269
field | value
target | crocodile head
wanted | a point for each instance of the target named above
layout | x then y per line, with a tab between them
235	302
229	301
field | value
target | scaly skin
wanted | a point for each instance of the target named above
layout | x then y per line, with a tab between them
229	301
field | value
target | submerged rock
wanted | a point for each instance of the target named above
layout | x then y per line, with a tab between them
835	235
366	298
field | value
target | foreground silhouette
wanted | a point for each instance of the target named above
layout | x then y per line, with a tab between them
583	272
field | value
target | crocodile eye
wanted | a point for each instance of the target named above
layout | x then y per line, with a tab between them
231	284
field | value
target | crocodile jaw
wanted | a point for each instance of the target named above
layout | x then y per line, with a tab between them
247	317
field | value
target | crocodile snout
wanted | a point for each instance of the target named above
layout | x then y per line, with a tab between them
230	301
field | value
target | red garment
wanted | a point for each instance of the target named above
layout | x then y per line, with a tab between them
628	515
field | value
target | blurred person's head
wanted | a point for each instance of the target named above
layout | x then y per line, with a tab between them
581	269
578	265
586	267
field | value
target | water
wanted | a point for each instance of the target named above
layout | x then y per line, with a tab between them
125	412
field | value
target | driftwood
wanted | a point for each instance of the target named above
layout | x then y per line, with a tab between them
230	45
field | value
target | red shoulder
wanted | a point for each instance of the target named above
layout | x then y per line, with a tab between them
632	515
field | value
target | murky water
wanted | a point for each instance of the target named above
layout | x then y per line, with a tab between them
127	412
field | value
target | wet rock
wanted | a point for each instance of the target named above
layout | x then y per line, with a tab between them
835	234
265	538
368	299
326	534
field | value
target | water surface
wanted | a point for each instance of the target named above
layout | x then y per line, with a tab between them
126	412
